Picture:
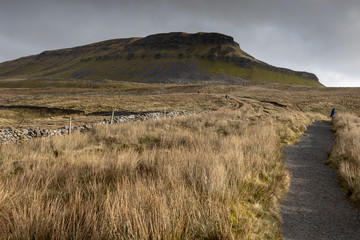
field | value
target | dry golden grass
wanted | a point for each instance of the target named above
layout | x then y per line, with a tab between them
176	98
154	102
345	155
217	175
210	176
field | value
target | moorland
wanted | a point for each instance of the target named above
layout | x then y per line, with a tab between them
217	173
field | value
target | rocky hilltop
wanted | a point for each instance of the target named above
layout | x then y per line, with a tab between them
175	40
161	58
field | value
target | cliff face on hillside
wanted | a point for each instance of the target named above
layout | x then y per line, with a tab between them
171	57
171	41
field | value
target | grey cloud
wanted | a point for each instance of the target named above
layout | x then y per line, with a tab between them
310	35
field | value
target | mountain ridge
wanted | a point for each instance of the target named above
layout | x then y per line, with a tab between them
160	58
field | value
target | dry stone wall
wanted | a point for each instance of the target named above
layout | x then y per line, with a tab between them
15	135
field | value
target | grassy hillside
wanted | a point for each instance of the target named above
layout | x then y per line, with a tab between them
163	58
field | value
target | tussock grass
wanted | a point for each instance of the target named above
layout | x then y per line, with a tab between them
345	155
210	176
217	175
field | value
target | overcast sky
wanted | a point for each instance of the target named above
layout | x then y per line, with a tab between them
318	36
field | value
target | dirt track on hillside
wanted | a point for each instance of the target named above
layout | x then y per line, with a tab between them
316	207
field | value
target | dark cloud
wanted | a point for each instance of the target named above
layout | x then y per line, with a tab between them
319	36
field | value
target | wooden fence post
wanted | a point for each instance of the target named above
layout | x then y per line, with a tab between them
112	118
70	126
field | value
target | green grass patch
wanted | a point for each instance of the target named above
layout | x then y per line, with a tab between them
220	67
259	74
254	74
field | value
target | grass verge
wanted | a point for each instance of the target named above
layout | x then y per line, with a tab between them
345	156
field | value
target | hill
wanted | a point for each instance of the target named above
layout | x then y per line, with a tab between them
179	58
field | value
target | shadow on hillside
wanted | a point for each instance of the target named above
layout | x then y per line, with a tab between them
120	113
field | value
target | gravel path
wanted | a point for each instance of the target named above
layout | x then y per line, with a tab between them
316	207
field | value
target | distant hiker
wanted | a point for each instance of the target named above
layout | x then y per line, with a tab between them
227	96
333	113
198	91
